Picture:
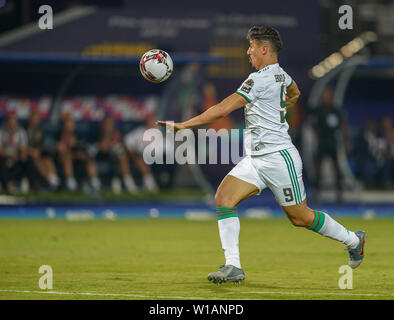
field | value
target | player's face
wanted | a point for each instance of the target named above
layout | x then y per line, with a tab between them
255	53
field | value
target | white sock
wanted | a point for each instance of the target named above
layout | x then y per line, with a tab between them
328	227
71	183
25	185
130	183
53	180
149	183
96	183
229	228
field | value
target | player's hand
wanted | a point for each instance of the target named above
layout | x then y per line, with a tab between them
176	126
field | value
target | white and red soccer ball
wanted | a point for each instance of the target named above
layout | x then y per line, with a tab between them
156	65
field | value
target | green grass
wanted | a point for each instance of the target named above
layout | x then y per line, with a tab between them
170	259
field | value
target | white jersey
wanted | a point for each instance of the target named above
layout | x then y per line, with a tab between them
266	129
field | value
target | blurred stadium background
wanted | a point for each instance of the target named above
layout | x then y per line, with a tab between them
86	68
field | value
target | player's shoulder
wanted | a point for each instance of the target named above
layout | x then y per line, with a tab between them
282	71
251	82
266	70
280	75
256	78
252	76
270	73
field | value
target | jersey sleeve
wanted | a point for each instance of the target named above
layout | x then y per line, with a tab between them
249	88
288	81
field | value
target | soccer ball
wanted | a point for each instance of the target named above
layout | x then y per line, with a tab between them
156	65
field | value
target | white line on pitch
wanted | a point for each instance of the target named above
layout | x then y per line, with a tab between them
138	295
339	293
132	295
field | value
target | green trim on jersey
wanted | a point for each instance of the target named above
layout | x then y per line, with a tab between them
290	83
243	96
264	69
297	185
293	175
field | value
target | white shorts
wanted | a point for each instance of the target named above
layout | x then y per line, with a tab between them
280	171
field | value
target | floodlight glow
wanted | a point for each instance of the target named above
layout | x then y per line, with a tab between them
347	51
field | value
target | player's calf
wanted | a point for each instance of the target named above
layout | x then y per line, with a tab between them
299	215
323	224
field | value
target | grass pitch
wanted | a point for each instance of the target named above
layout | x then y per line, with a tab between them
171	258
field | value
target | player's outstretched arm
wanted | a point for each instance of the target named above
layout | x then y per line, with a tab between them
215	112
292	95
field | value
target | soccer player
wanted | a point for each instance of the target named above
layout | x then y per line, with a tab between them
271	158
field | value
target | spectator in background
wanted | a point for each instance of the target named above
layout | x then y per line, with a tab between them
330	128
13	153
375	164
111	149
39	160
294	118
135	146
72	152
388	135
210	99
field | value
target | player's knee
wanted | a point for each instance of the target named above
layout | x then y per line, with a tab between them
223	200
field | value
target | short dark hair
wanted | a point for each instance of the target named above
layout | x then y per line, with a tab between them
266	33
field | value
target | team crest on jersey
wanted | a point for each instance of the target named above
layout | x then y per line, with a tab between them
247	86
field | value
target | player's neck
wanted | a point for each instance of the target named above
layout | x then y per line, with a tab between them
268	62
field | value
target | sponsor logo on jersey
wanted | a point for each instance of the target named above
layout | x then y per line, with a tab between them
279	77
247	86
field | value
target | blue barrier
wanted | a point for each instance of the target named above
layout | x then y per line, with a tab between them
169	210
